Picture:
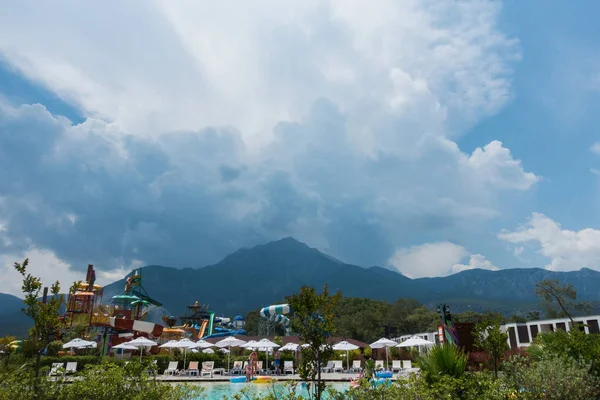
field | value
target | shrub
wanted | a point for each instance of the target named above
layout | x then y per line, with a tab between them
53	348
443	360
554	377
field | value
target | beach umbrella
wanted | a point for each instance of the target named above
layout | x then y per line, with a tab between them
208	351
185	344
230	342
78	344
140	343
249	345
124	346
381	343
202	344
290	347
345	346
415	341
266	345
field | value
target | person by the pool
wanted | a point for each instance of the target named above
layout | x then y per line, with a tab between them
276	362
249	369
254	358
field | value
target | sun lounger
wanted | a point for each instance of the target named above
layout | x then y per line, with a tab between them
207	368
56	369
396	365
259	368
356	366
406	364
338	366
71	367
379	364
288	366
172	368
329	367
237	368
193	368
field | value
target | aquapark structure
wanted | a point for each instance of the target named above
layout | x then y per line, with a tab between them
272	316
202	323
125	317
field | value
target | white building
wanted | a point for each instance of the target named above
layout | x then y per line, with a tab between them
522	334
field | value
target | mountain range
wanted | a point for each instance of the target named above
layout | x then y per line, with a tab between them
249	279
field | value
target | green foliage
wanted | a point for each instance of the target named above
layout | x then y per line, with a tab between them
553	377
53	348
46	324
368	352
446	360
489	338
99	382
573	344
560	299
313	320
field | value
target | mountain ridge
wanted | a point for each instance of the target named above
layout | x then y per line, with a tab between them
251	278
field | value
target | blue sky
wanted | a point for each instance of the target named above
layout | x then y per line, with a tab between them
426	137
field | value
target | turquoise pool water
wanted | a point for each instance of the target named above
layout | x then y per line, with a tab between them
217	390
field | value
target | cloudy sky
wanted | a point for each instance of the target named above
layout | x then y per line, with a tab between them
430	137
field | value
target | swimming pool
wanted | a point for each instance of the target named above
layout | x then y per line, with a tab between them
216	390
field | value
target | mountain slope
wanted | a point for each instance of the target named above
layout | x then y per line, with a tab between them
263	275
9	303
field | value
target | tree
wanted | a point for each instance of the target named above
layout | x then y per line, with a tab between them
44	313
312	319
490	338
564	295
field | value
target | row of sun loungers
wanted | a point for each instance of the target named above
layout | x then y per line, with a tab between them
208	368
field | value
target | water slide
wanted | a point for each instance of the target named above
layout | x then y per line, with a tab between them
277	313
202	328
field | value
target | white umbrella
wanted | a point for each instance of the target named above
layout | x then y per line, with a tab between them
230	342
290	347
208	351
415	341
202	344
383	342
171	344
185	344
249	345
140	343
78	344
124	346
266	345
345	346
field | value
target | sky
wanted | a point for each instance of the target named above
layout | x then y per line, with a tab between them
423	136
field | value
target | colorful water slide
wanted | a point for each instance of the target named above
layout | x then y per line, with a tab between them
136	325
202	328
277	313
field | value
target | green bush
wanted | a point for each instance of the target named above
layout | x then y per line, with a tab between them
53	348
573	344
98	382
553	377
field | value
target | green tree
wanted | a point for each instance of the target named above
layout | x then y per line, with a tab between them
44	313
313	320
490	338
563	295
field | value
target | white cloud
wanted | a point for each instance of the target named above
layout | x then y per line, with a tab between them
187	65
518	251
428	260
567	250
47	266
495	164
251	123
595	148
476	261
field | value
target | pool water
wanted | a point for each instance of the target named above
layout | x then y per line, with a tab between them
220	390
